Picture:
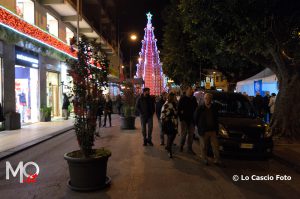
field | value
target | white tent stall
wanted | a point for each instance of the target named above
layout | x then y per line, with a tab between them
269	83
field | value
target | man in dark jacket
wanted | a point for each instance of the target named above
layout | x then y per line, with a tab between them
146	108
258	103
206	117
186	108
158	106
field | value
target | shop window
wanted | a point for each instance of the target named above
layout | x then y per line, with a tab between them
69	35
52	25
27	92
25	9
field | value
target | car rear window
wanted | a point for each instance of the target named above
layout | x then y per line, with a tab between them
233	105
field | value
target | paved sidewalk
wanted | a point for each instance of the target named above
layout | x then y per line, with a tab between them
287	152
14	141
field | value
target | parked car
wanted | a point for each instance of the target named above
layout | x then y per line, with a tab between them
240	130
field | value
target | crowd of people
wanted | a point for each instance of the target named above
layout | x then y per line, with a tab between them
185	111
264	105
189	110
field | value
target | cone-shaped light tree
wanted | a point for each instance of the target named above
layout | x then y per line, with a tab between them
149	67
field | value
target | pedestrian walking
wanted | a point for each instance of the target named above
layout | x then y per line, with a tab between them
169	119
158	107
146	107
65	106
272	104
206	117
101	103
107	110
186	108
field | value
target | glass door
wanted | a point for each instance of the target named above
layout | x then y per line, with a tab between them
53	93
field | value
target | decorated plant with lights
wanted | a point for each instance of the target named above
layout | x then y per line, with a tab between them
89	73
129	100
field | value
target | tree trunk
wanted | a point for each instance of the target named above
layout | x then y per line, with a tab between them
286	119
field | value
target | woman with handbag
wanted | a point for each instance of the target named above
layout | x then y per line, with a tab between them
169	119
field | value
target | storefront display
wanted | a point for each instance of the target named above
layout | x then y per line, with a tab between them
26	86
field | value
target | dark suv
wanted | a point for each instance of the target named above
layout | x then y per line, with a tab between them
240	130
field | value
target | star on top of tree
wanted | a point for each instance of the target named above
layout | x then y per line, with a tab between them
149	16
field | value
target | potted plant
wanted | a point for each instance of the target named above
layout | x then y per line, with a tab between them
128	116
45	113
87	166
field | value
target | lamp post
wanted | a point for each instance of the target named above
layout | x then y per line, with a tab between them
133	37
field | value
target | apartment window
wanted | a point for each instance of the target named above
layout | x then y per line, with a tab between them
52	25
69	35
25	9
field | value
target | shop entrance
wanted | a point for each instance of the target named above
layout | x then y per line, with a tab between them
53	93
26	90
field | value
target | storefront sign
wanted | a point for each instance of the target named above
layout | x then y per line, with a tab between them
26	59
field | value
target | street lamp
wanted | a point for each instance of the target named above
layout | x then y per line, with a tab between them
133	37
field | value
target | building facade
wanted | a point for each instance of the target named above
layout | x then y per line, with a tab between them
34	45
215	79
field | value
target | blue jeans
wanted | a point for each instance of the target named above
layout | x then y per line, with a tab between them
144	122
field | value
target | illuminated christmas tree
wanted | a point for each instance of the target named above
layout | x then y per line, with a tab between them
149	67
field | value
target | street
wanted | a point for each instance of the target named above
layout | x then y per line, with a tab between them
147	172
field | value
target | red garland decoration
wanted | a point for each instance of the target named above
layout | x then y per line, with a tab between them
22	26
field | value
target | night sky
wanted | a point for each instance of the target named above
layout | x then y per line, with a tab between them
132	18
